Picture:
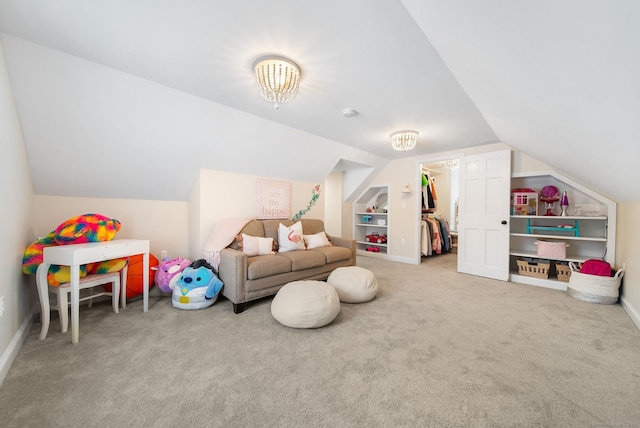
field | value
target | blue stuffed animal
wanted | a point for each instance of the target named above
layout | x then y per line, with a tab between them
197	288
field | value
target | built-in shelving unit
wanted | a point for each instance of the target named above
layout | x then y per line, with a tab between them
371	221
589	229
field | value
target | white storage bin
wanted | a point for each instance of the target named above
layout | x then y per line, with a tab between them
594	288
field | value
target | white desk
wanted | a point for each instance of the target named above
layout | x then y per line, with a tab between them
81	254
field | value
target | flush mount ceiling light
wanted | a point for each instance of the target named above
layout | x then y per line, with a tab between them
277	79
404	140
451	163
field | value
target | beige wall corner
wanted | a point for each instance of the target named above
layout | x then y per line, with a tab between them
628	252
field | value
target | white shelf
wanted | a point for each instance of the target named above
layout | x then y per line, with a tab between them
371	254
538	282
563	237
560	218
534	255
594	221
372	244
366	213
374	197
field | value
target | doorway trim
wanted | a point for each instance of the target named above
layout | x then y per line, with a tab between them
417	200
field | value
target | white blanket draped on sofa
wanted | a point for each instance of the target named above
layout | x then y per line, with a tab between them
222	234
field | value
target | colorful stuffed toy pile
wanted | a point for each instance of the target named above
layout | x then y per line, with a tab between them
77	230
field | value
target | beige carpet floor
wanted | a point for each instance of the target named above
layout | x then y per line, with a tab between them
434	349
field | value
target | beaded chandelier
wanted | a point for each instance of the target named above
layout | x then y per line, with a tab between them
404	140
277	79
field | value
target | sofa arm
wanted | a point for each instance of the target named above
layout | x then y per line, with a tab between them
347	243
233	273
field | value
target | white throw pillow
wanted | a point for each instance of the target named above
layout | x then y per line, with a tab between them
290	238
316	240
256	246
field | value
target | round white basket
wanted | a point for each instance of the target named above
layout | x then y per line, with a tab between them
593	288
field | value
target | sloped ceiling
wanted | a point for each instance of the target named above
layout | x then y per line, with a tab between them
129	99
556	79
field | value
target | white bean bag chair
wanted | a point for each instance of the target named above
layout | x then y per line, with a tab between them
354	284
305	304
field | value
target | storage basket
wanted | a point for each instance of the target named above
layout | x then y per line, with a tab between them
537	268
563	272
552	249
594	288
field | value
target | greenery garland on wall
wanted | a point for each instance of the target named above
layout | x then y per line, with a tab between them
315	194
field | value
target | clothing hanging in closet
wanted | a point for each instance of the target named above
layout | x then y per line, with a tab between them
428	201
435	235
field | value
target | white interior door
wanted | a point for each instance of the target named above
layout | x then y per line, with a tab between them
483	215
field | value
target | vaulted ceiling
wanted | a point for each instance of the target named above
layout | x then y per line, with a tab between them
129	99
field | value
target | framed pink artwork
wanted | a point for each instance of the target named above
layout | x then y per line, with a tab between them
273	199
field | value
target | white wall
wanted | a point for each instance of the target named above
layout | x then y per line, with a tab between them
164	223
404	210
333	204
223	195
17	291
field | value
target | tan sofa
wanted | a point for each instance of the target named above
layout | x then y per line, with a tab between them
250	278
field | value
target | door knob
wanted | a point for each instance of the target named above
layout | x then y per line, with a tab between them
504	222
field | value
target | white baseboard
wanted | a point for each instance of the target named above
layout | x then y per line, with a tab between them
12	350
406	260
631	311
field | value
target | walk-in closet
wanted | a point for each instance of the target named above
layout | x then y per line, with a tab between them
438	221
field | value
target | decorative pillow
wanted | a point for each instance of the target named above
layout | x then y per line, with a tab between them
316	240
255	246
290	238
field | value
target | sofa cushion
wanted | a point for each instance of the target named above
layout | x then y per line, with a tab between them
333	254
255	246
290	238
271	227
311	226
268	265
303	259
316	240
253	228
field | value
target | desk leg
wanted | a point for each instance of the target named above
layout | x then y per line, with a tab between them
75	303
145	281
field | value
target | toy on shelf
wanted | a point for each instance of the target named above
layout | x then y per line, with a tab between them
376	238
524	201
564	204
197	288
550	195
